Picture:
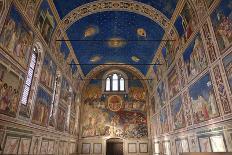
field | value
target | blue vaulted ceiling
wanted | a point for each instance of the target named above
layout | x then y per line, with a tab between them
133	31
115	28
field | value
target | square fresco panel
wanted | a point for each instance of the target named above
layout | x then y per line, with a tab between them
132	148
205	144
222	24
11	145
42	107
203	100
178	113
24	146
10	88
173	82
194	57
161	94
217	143
97	148
45	21
227	61
48	73
16	37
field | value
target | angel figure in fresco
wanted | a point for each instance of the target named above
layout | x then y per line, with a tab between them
225	28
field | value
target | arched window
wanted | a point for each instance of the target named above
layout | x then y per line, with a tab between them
30	74
115	82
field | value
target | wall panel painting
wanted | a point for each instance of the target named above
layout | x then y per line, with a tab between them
16	37
194	57
205	144
203	100
178	113
10	88
173	82
48	73
45	21
11	145
97	148
51	147
217	143
186	22
227	61
222	24
42	107
24	146
61	119
44	147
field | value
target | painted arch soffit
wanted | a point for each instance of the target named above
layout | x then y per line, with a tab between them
115	5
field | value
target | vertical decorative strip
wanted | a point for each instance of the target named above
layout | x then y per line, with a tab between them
221	90
209	43
187	108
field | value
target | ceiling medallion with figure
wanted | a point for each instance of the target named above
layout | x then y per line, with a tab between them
115	103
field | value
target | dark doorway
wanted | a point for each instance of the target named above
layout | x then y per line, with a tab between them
114	147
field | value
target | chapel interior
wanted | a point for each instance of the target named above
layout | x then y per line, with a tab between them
115	77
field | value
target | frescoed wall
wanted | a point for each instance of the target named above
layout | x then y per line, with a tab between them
196	85
16	37
114	114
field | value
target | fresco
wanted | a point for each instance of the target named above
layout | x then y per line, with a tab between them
11	145
227	61
203	100
16	37
31	5
45	21
161	93
71	125
48	73
164	120
173	82
195	58
169	51
222	24
114	115
42	107
186	22
96	27
10	88
24	146
178	115
61	119
64	92
62	47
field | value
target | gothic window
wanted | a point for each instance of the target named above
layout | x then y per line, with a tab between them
30	74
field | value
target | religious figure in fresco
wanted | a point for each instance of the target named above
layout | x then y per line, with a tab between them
10	84
42	107
65	93
48	72
17	37
173	83
45	21
186	22
178	113
222	24
194	58
31	5
203	100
